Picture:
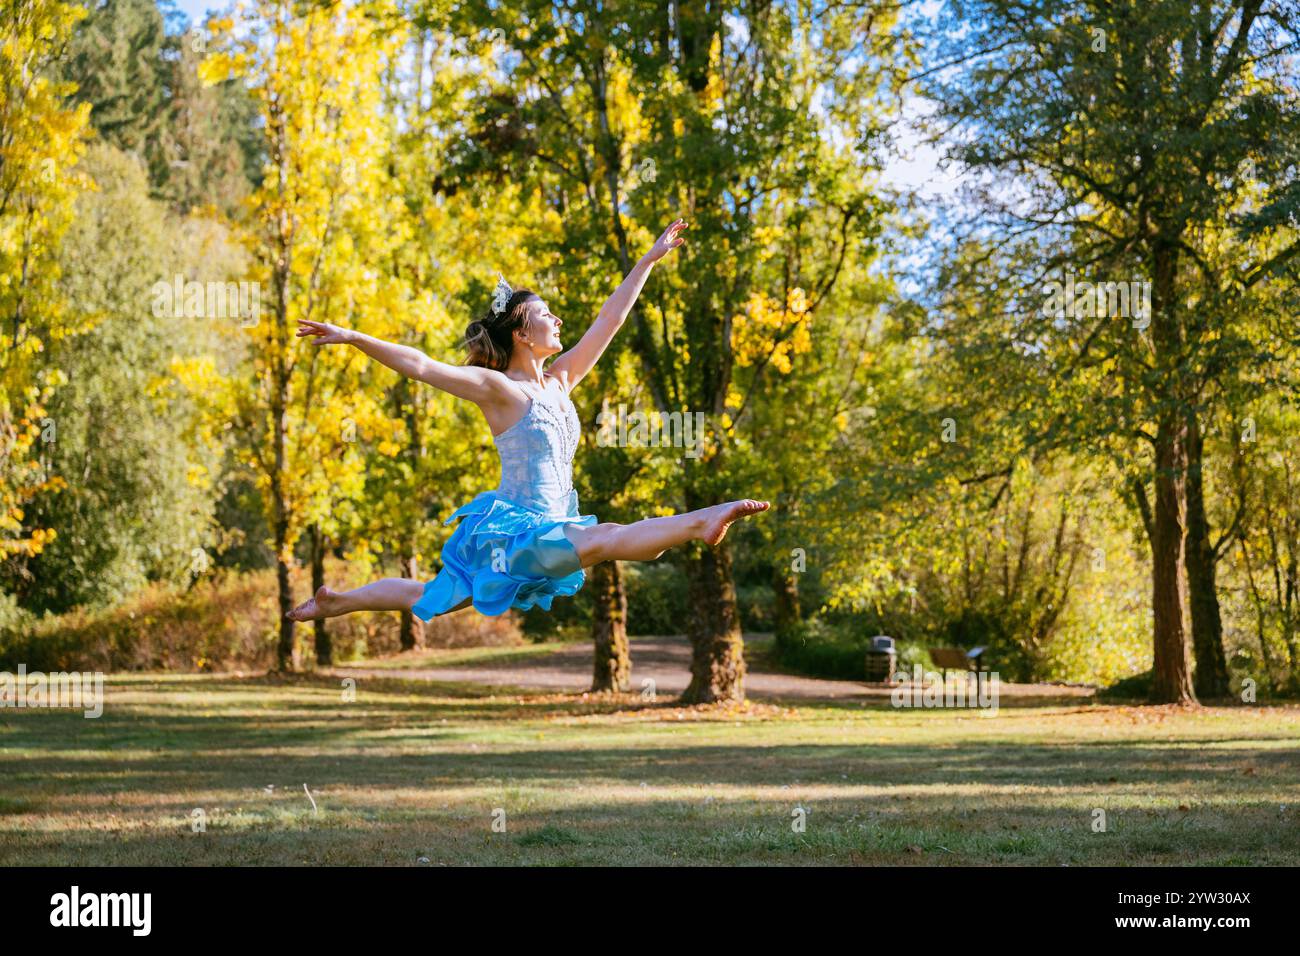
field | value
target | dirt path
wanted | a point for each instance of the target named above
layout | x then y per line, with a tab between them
666	662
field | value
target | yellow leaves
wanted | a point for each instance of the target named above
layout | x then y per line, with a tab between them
624	105
711	97
197	476
43	140
766	329
219	66
198	374
30	546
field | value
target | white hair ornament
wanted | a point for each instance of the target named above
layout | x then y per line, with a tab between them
502	295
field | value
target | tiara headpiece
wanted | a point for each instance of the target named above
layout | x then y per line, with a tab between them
502	295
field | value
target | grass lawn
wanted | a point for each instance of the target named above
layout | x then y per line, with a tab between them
413	770
454	656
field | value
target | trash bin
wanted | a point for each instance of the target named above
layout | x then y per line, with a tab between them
881	658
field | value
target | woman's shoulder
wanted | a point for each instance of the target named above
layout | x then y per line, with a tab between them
557	380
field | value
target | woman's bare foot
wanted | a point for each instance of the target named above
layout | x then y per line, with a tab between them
324	604
721	517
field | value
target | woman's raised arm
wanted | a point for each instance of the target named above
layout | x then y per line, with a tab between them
574	364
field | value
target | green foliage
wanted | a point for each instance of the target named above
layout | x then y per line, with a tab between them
198	141
656	596
550	142
1137	687
819	648
132	508
116	60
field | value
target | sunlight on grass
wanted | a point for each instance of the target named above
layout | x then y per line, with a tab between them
211	770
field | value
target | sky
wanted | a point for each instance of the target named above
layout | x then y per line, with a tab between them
196	9
918	168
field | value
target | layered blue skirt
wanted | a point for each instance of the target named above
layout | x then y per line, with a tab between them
503	555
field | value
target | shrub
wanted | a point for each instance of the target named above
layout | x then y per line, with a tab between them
225	622
819	649
656	598
1137	687
757	605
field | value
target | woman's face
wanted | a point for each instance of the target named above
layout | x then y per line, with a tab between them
541	332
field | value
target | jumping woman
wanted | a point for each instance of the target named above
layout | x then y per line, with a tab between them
524	543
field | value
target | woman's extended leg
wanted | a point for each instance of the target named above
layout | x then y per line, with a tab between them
646	540
389	594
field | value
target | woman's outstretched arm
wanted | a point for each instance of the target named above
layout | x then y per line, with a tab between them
579	360
479	385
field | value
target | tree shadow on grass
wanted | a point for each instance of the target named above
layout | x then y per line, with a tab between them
205	757
925	830
405	737
388	767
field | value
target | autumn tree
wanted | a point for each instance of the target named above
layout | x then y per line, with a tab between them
41	142
323	219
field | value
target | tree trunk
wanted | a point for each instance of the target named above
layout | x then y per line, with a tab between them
1171	676
713	626
1171	673
324	649
411	634
785	587
613	667
285	656
1202	590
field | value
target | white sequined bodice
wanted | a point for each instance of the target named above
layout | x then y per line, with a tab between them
537	452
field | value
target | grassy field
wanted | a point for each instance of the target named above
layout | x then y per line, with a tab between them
411	774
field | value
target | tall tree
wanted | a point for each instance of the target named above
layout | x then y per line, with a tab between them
1117	133
322	224
739	113
116	60
118	524
41	141
137	69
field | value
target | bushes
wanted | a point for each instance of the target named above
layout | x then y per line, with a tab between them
835	647
1005	652
656	598
568	619
1137	687
657	601
819	649
224	622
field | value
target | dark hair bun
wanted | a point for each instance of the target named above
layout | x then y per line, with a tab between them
489	340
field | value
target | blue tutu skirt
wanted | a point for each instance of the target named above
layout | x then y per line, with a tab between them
503	555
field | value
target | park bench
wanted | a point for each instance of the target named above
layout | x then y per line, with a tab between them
954	658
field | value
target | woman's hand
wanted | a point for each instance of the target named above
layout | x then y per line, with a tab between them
669	241
324	333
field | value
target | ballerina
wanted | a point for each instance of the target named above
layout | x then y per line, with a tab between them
524	543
